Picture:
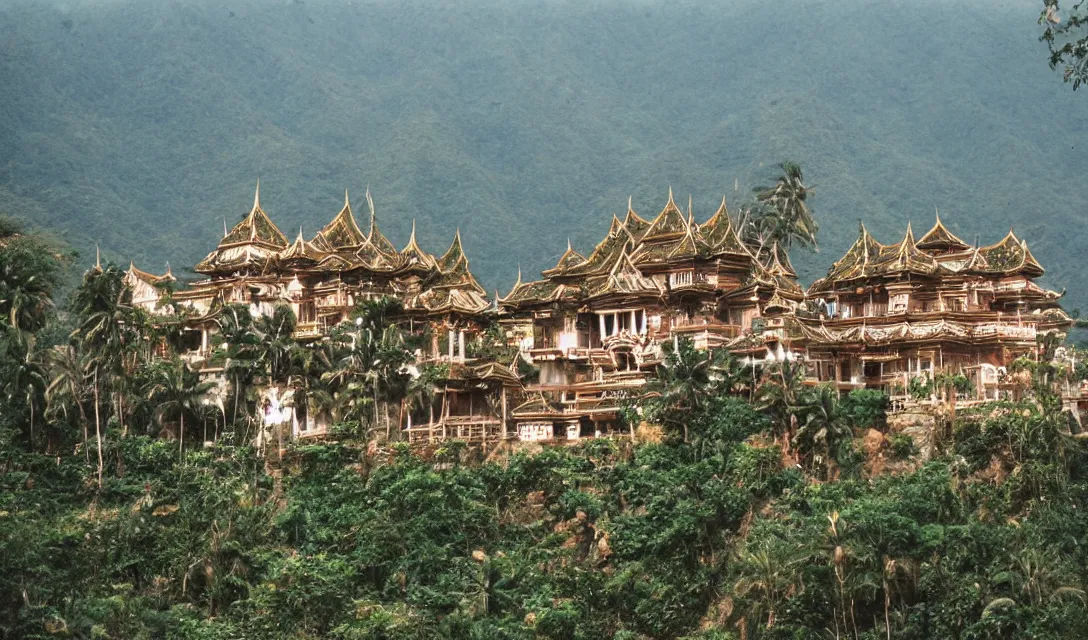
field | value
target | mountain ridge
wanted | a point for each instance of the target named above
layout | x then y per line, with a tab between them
143	127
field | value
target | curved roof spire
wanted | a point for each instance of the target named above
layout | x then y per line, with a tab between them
342	233
670	223
413	257
570	258
453	254
939	238
257	195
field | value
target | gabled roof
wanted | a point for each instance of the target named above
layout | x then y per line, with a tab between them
856	263
375	237
568	260
720	235
301	252
539	292
1011	256
413	258
634	224
255	228
342	234
780	262
622	279
906	257
376	253
251	243
149	278
939	238
603	256
668	224
451	290
453	254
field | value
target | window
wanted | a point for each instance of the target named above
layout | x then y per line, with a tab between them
681	278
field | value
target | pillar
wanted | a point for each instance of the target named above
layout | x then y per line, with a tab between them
461	344
504	431
633	326
450	341
615	323
600	320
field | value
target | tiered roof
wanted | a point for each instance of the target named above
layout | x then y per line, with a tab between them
938	250
414	259
905	258
452	288
1011	256
616	265
720	235
939	238
301	253
622	280
568	260
377	253
252	243
342	235
669	239
150	278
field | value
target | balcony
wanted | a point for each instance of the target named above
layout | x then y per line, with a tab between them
307	331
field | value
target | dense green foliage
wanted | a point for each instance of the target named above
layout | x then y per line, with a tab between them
144	124
765	509
707	539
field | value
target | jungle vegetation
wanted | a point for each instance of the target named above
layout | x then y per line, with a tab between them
761	508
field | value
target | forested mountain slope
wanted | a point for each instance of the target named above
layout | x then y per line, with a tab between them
143	125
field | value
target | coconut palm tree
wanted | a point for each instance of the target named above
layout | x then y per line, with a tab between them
684	381
782	216
236	342
821	430
25	375
778	395
68	388
766	572
177	391
103	307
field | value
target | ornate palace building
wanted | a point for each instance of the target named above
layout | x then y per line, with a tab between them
911	309
321	280
593	326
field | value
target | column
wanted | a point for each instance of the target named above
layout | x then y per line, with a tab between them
449	341
615	323
203	340
600	319
461	344
633	327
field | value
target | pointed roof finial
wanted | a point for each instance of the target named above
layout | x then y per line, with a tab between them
370	203
938	213
131	265
568	244
257	195
629	203
168	271
670	195
97	257
412	238
347	201
224	226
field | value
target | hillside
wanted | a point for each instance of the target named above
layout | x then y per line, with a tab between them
142	125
